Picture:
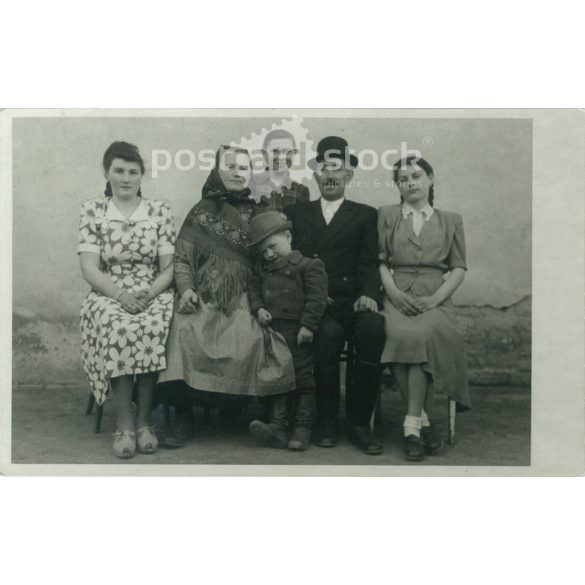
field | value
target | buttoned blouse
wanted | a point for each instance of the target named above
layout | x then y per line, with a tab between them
419	216
440	245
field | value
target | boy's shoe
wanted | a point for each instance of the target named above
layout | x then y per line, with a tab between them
413	448
270	435
430	439
300	439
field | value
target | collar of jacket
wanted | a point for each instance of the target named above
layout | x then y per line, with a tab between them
293	258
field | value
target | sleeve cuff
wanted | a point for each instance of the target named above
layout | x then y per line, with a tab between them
255	307
182	287
94	248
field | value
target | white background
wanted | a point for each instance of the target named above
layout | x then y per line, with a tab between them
258	530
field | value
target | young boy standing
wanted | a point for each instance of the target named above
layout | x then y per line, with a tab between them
288	293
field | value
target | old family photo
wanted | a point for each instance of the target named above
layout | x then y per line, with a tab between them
272	290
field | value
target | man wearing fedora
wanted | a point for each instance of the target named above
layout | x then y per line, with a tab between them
344	235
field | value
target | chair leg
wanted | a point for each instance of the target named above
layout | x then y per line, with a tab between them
378	409
90	404
167	415
349	365
377	412
98	418
452	410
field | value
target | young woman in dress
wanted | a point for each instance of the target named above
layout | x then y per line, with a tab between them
422	263
126	246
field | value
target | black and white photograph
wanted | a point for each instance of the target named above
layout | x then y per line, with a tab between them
298	291
292	292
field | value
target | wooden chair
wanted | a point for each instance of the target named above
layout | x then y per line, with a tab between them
207	409
348	356
451	410
451	414
98	415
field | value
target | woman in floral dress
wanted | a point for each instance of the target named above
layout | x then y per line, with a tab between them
126	247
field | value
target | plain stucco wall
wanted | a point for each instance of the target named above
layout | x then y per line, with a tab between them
483	170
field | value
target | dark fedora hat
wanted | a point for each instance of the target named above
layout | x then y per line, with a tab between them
266	224
332	147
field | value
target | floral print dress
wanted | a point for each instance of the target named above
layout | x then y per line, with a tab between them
114	342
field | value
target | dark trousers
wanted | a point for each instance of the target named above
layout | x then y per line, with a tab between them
296	406
367	331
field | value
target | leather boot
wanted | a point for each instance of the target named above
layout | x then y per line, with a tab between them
279	409
302	415
273	433
302	408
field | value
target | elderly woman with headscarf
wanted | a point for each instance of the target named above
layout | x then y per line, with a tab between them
217	350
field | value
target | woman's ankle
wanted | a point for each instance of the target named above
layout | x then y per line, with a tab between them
124	423
143	422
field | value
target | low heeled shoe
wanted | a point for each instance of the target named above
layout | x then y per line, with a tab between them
431	439
146	440
413	448
124	444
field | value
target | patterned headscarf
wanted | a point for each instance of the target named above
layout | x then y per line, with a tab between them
214	187
213	239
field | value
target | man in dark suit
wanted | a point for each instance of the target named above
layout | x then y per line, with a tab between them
344	235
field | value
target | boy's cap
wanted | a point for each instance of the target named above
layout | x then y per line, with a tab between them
266	224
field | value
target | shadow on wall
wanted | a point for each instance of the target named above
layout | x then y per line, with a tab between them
46	353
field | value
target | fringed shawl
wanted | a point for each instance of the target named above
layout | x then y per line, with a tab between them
212	242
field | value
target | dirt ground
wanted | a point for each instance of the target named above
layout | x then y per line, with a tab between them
49	426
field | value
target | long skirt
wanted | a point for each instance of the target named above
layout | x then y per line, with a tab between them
228	353
433	340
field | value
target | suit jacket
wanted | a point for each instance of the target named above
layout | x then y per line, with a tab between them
348	247
293	287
